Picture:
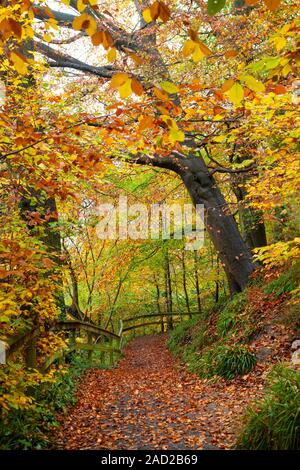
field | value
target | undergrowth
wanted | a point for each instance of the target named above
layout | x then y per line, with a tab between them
224	361
273	423
31	428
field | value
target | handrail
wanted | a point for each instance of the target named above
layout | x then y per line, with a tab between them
148	315
77	324
30	336
132	327
16	342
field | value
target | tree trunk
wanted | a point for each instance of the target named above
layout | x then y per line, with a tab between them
158	303
168	291
197	281
187	301
234	255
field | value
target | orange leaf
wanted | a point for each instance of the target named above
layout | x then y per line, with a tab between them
154	10
97	38
164	12
231	53
137	87
227	85
272	4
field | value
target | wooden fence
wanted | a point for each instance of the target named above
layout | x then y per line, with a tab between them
90	338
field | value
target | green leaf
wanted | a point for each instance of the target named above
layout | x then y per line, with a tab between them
169	87
213	6
4	319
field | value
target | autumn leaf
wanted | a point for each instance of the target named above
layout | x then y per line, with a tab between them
137	87
236	93
197	53
177	135
155	11
252	83
118	80
112	55
231	53
97	38
272	4
188	47
85	22
227	85
20	62
214	6
146	122
125	90
169	87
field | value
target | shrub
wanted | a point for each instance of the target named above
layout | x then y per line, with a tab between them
233	361
30	428
274	422
226	361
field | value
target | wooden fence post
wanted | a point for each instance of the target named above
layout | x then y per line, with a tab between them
111	353
90	342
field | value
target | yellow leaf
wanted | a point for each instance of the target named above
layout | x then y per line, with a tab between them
85	22
125	90
112	55
286	70
280	42
197	54
169	87
188	47
118	80
236	93
28	32
252	83
147	15
204	48
19	62
47	37
219	138
176	135
169	121
81	5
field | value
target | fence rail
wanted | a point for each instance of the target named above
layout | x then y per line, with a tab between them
106	343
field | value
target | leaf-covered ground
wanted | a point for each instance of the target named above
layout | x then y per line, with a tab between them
150	402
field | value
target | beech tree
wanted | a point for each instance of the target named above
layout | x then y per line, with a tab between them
158	116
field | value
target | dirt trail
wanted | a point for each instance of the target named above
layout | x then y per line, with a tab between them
150	402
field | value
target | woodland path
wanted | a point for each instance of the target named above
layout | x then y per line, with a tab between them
149	401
